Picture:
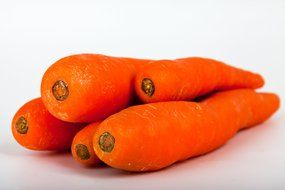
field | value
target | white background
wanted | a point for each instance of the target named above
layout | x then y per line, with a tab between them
245	33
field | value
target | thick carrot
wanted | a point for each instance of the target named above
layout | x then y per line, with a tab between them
82	146
188	78
35	128
153	136
89	87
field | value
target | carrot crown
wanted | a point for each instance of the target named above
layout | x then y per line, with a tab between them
60	90
22	125
147	86
106	142
82	152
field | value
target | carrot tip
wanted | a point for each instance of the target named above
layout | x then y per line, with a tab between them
82	152
22	125
106	142
60	90
147	86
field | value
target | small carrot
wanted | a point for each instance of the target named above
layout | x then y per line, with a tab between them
89	87
153	136
188	78
82	146
35	128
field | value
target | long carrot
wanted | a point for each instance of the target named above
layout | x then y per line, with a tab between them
153	136
35	128
89	87
82	146
188	78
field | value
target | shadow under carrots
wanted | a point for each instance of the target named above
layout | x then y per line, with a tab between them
63	161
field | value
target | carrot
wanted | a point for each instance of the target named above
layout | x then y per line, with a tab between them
35	128
89	87
188	78
153	136
82	146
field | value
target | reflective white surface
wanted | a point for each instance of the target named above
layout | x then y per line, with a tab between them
247	34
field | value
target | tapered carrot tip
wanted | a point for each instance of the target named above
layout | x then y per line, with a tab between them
82	152
106	142
148	86
60	90
22	125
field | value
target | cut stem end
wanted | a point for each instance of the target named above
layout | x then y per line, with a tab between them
60	90
22	125
82	151
147	86
106	142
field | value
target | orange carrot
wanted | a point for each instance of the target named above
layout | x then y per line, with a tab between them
82	146
153	136
89	87
188	78
35	128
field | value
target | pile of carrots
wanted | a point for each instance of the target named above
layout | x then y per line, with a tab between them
139	114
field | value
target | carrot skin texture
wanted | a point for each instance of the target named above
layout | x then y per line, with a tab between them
82	146
188	78
90	87
153	136
43	131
